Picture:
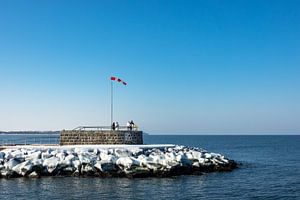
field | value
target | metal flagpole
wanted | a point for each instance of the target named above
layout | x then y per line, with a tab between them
111	103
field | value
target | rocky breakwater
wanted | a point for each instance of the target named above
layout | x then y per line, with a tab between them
118	162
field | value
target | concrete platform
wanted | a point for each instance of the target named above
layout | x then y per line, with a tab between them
93	137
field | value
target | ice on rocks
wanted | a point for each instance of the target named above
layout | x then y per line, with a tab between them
46	155
105	166
23	168
84	159
11	163
76	164
189	156
69	169
33	156
60	155
37	162
33	175
88	169
208	156
110	162
122	153
65	163
124	162
51	164
136	162
2	154
70	157
17	154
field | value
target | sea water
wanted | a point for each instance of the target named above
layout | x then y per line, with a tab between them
270	169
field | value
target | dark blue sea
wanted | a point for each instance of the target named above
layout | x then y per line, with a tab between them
270	169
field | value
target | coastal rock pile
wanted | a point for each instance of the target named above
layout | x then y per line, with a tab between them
118	162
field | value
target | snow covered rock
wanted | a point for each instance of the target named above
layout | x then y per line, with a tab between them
33	174
124	162
51	164
130	162
23	168
33	156
11	163
2	154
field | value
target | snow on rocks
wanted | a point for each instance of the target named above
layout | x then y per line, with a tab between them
51	164
116	162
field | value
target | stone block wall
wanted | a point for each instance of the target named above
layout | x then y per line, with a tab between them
73	137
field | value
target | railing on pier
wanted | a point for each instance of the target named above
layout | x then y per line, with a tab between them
20	139
105	128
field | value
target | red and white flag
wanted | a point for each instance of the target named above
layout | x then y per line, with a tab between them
118	80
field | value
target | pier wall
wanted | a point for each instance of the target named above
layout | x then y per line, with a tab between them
80	137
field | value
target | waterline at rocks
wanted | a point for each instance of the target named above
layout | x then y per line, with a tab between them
110	162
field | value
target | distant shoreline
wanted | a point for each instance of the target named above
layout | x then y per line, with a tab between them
29	132
156	134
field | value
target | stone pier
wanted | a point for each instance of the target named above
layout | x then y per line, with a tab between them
86	137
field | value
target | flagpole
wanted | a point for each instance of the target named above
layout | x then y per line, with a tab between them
111	103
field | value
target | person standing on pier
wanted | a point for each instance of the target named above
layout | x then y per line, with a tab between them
113	126
131	125
117	126
128	125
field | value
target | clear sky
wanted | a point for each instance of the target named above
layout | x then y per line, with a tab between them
192	67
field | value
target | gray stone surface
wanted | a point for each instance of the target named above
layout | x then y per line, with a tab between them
79	137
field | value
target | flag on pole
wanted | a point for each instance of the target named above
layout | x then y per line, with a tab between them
118	80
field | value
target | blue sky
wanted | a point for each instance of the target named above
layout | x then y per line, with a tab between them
192	67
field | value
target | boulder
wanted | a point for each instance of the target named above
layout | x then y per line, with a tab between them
65	163
34	174
105	167
124	162
71	157
96	151
8	174
17	154
189	156
208	155
138	172
201	160
142	159
60	155
2	155
37	166
84	159
8	156
136	162
36	162
68	171
170	155
107	158
104	156
54	152
76	164
172	163
136	151
196	155
88	170
76	173
33	156
122	153
11	163
46	155
23	168
154	166
51	164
